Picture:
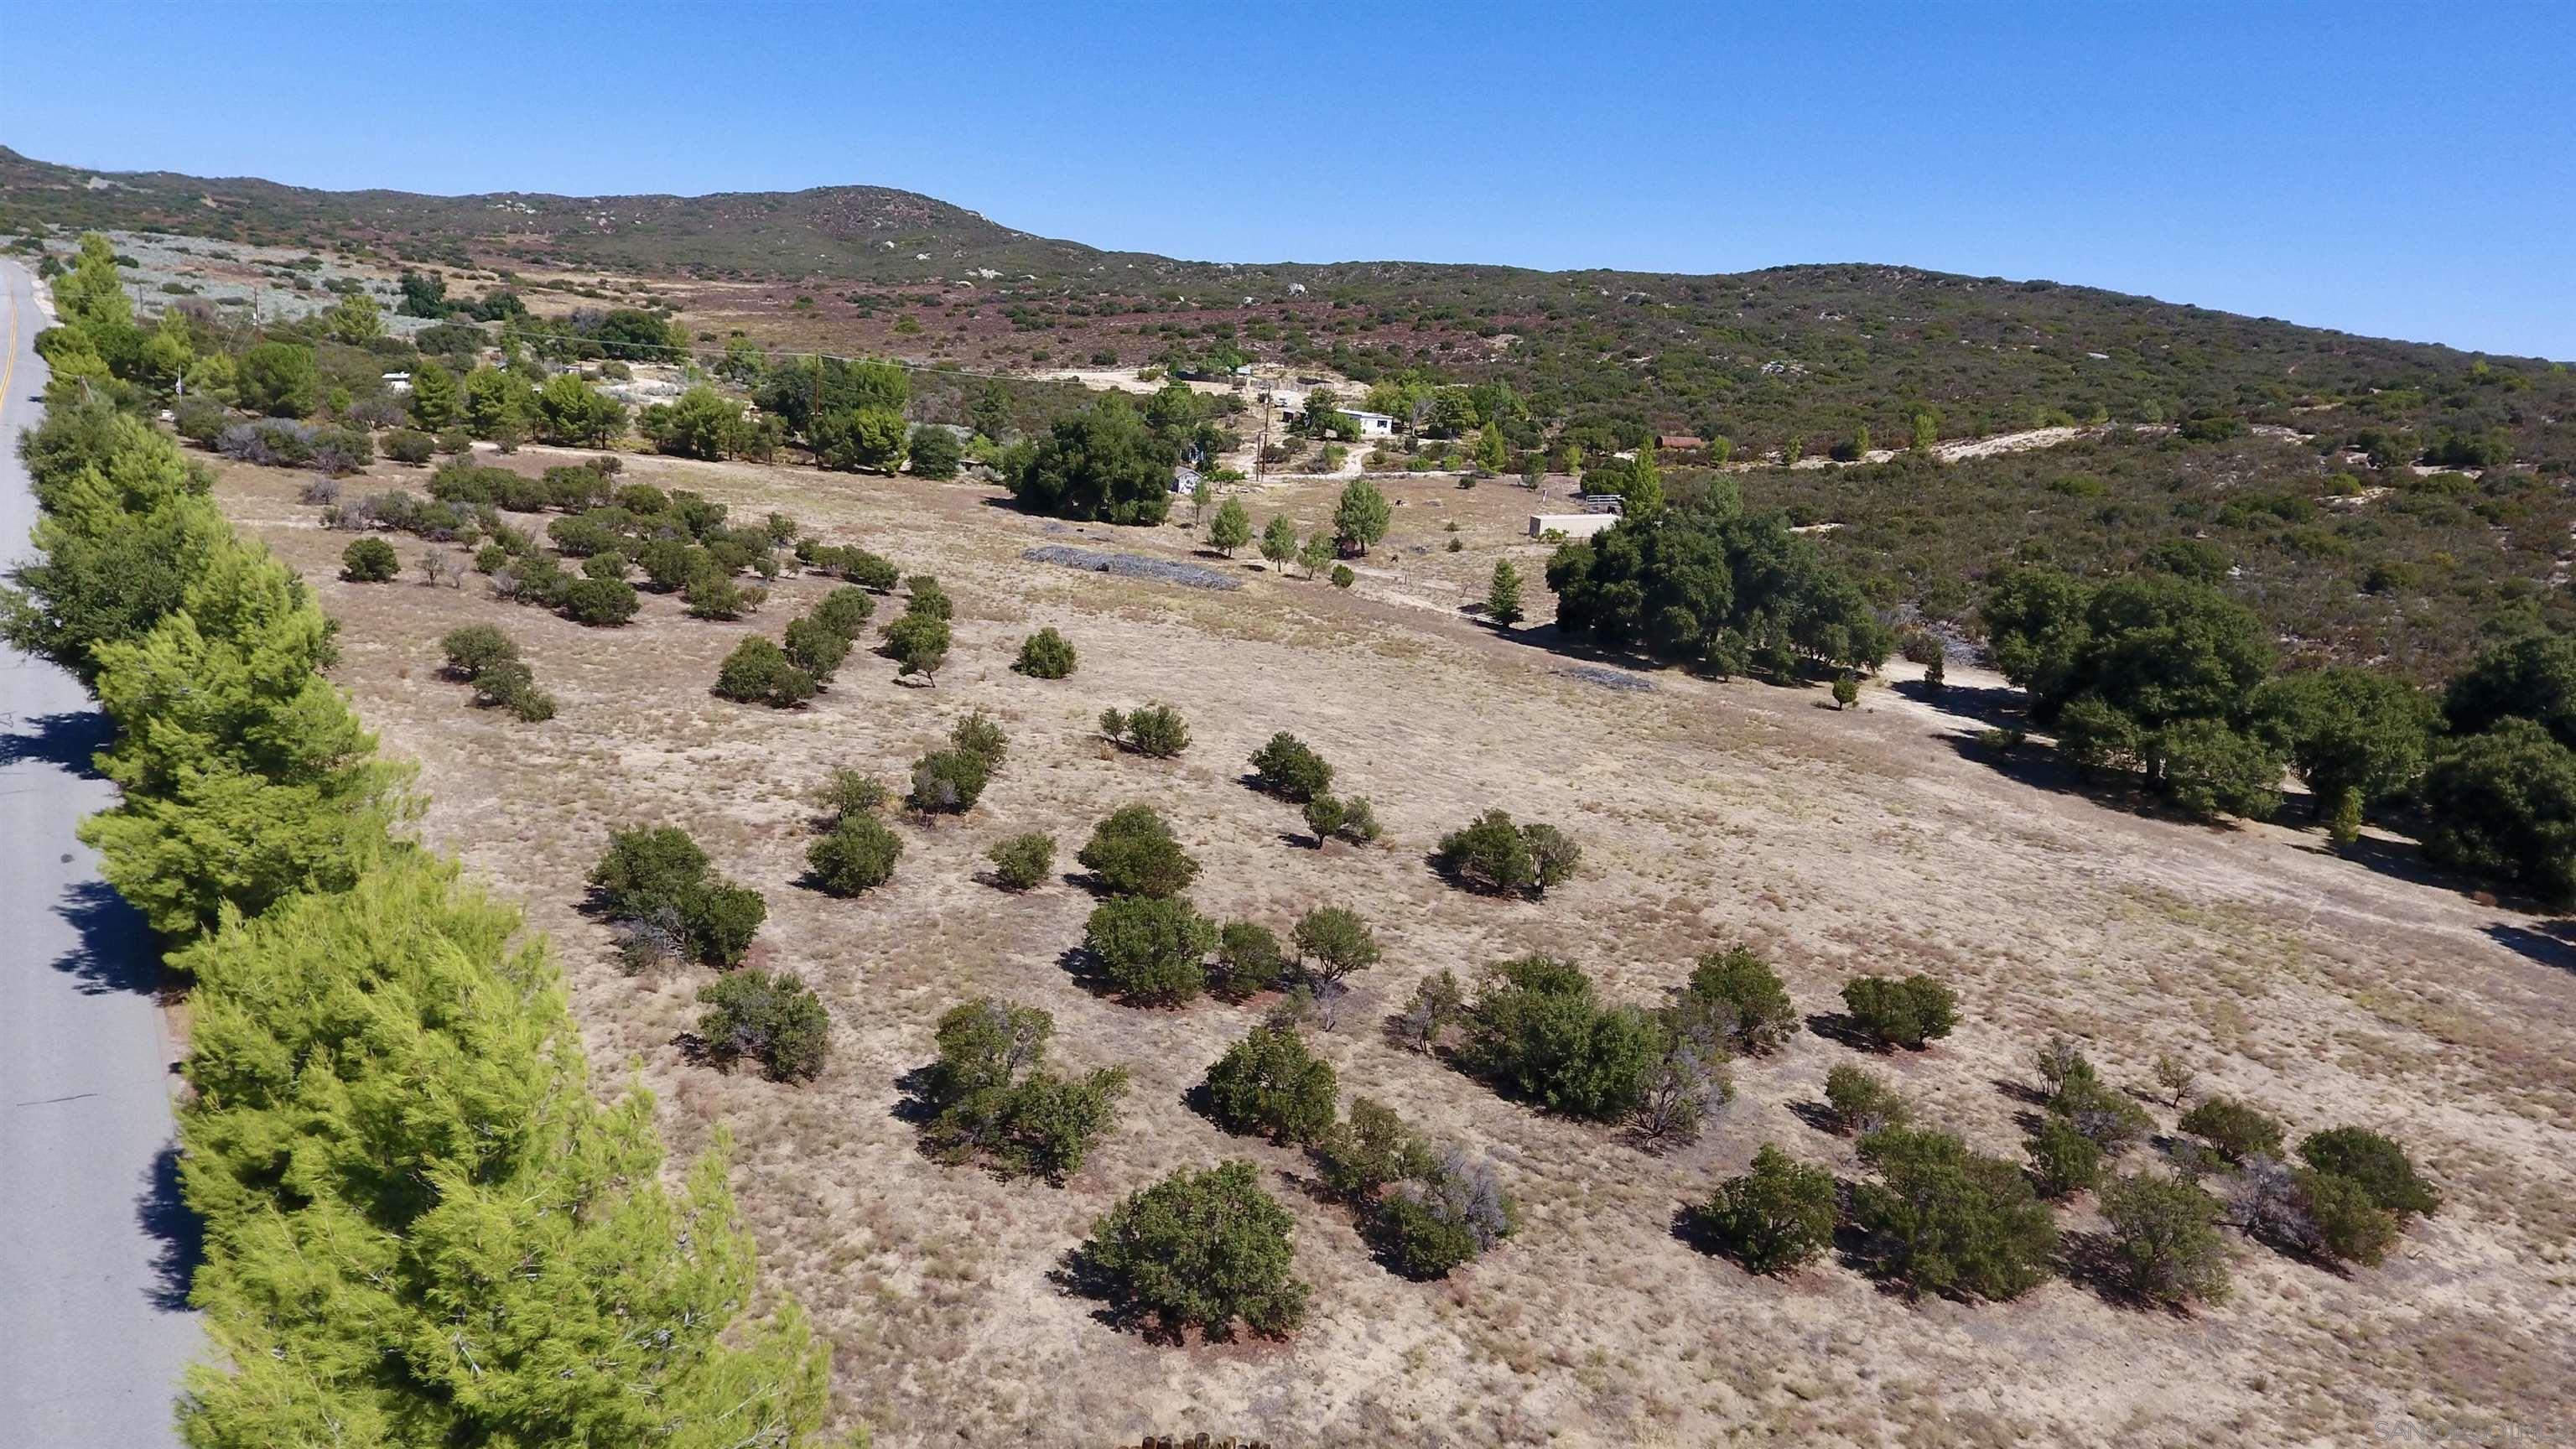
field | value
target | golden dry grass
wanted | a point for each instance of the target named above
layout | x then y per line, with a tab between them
1710	813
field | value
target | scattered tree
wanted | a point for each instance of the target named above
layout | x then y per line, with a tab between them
1045	654
1023	862
1909	1013
1946	1220
1269	1083
1200	1250
856	855
772	1017
1777	1218
1503	595
1133	853
759	672
1150	949
1288	768
370	561
1861	1102
1332	942
2165	1234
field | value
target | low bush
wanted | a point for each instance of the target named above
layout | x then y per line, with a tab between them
1945	1220
1911	1012
918	644
410	445
1153	730
469	648
1248	959
924	596
992	1095
847	792
1023	862
845	611
1150	950
1538	1029
816	648
979	736
1332	942
1133	854
659	874
1045	654
2063	1161
1436	1005
1269	1083
759	672
2164	1233
774	1018
1341	817
711	593
1362	1154
2234	1129
948	782
1199	1250
1776	1218
2376	1165
370	561
600	603
1428	1225
1736	1001
1496	856
1289	769
856	855
1861	1103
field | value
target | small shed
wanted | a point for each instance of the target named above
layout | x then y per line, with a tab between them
1571	525
1185	480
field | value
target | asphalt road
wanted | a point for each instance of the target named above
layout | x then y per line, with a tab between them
95	1248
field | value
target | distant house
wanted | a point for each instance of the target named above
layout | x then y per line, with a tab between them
397	382
1185	480
1292	409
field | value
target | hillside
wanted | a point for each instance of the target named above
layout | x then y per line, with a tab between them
2302	454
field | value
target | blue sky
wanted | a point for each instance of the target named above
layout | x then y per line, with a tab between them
2390	169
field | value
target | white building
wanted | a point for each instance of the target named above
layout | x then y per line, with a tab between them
1570	525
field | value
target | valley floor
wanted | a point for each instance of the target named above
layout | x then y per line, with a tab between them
2331	990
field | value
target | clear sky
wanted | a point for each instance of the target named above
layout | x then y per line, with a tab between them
2383	168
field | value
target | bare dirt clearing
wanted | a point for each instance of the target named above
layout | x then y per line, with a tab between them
1880	839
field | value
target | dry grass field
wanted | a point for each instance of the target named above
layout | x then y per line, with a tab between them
2330	990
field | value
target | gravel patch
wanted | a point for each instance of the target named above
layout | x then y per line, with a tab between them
1618	679
1132	565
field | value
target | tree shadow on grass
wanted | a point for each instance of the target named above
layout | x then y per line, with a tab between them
1989	705
115	951
1819	1116
178	1235
1839	1028
2552	944
1076	1276
67	740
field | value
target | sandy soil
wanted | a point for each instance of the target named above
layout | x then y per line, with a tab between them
2330	989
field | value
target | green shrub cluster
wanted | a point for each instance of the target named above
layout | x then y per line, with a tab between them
1911	1012
1045	654
488	659
1023	862
658	886
1776	1218
1153	730
1290	769
1148	949
759	672
990	1094
1133	853
773	1018
950	781
1270	1083
1200	1250
1494	855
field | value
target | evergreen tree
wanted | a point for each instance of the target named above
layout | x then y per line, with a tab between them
1503	596
436	402
1231	528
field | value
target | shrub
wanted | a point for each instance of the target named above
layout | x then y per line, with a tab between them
924	596
759	672
1248	958
1909	1013
469	648
1372	1148
370	561
1152	730
1023	862
847	792
869	571
1429	1225
612	566
1688	1081
660	873
935	452
1494	855
856	855
1149	949
2063	1161
1946	1220
1777	1218
845	610
1862	1103
1335	818
2103	1114
1736	1001
1133	853
2164	1232
1289	769
601	603
948	782
1045	654
2237	1131
1539	1030
918	644
1332	942
2340	1220
1269	1083
1436	1005
977	735
775	1018
816	647
409	445
992	1095
510	684
711	593
1200	1250
2375	1164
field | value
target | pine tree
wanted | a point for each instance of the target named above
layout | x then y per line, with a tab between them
1231	528
436	402
1491	453
1503	596
1278	541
